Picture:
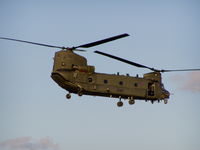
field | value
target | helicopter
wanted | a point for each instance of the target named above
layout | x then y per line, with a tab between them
72	73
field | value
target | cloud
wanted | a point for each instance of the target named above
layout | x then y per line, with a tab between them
188	82
28	143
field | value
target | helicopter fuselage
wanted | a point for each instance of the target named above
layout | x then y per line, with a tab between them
72	73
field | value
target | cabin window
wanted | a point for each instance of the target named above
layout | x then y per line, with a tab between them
121	83
90	80
63	64
136	84
105	81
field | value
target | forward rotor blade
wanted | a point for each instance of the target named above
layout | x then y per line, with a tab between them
31	42
103	41
180	70
125	61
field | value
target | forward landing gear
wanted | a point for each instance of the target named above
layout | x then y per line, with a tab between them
120	104
131	102
165	101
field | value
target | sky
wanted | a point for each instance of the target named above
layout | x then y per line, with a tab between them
34	113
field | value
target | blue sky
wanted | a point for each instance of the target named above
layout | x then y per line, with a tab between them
34	112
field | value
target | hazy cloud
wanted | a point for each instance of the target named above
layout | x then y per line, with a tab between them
28	143
189	81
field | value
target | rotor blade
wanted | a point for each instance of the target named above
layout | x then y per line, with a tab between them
103	41
125	61
80	50
180	70
31	42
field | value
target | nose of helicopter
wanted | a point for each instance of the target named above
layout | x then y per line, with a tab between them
166	94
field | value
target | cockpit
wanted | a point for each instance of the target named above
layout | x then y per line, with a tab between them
165	93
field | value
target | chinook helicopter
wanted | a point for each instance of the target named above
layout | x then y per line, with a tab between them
72	73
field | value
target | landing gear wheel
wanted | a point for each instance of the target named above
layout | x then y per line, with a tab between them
165	101
80	94
120	104
131	102
80	91
68	96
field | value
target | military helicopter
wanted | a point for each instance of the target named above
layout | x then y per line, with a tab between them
72	73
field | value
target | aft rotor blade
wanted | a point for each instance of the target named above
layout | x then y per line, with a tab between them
124	60
180	70
103	41
31	42
80	50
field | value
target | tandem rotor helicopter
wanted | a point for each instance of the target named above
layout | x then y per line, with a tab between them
72	73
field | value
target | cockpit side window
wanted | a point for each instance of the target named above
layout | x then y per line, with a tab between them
151	89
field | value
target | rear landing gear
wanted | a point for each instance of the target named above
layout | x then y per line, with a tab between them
80	93
68	96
